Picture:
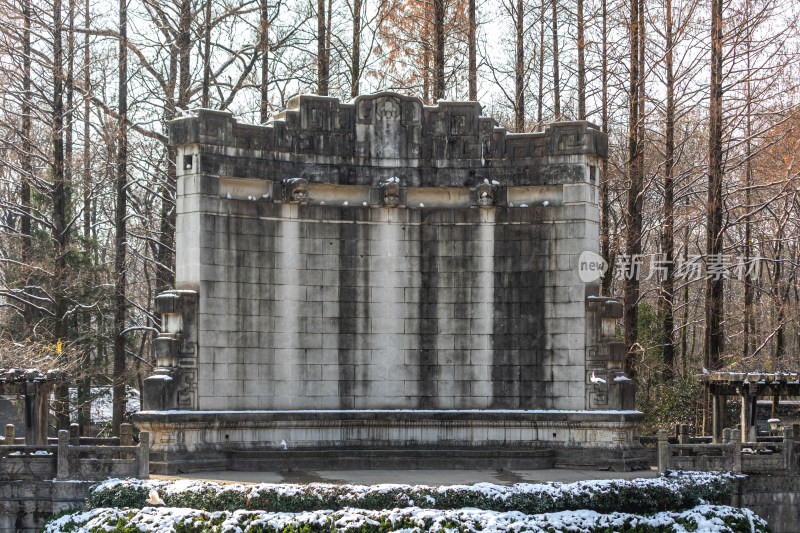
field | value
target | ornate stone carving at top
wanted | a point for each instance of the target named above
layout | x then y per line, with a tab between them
327	141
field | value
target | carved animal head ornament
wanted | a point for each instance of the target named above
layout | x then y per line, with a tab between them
295	190
390	192
486	193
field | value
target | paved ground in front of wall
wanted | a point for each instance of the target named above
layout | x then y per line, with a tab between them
412	477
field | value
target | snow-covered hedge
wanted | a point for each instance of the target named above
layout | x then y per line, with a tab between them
705	518
673	492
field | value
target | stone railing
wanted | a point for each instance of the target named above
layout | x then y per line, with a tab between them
71	459
731	455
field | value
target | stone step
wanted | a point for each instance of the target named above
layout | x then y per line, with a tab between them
364	459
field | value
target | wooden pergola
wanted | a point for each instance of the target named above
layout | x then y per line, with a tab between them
748	386
35	387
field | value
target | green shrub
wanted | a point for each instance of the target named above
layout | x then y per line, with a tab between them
725	520
673	492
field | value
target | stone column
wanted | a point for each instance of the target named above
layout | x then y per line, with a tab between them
717	415
37	402
747	417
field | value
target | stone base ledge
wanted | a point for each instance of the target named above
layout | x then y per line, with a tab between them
194	430
206	440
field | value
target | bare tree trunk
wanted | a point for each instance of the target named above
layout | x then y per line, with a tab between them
438	50
184	53
264	49
556	79
540	99
642	92
59	205
166	257
581	64
356	70
633	238
779	311
322	57
25	161
68	88
328	28
605	204
748	184
714	334
685	321
519	71
85	384
426	67
206	55
667	299
62	391
120	270
472	52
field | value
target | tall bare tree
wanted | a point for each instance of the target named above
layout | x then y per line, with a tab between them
439	12
519	68
356	55
556	76
633	237
667	298
58	196
714	303
323	63
472	52
26	165
581	62
120	238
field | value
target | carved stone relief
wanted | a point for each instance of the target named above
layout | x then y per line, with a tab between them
295	190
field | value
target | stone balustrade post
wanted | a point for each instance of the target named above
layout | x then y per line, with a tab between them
125	435
788	448
9	438
143	455
62	459
736	451
684	438
663	450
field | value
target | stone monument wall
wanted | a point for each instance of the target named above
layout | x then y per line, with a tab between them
385	255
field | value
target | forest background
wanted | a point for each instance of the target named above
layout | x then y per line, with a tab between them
699	97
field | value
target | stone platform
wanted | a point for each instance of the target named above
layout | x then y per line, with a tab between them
187	441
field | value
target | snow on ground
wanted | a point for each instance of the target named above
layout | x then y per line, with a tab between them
101	402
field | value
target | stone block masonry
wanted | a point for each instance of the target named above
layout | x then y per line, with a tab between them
383	255
378	313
